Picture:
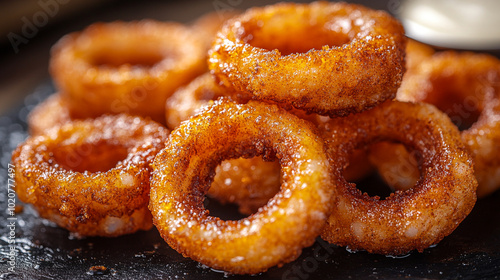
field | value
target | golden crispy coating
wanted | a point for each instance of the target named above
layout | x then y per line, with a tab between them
120	67
53	111
276	234
413	219
466	87
91	177
395	165
326	58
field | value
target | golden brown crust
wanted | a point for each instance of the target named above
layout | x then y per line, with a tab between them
413	219
302	56
91	177
397	167
275	234
466	86
120	67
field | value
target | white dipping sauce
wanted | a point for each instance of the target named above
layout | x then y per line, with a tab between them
460	24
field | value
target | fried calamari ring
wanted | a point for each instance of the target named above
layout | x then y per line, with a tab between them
413	219
91	177
466	86
276	234
52	112
326	58
120	67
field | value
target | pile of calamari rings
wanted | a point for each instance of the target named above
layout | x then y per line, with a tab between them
276	109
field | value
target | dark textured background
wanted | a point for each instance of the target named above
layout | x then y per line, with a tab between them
48	252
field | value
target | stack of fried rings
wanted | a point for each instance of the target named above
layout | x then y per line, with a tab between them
312	172
465	86
178	186
276	234
409	220
91	177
